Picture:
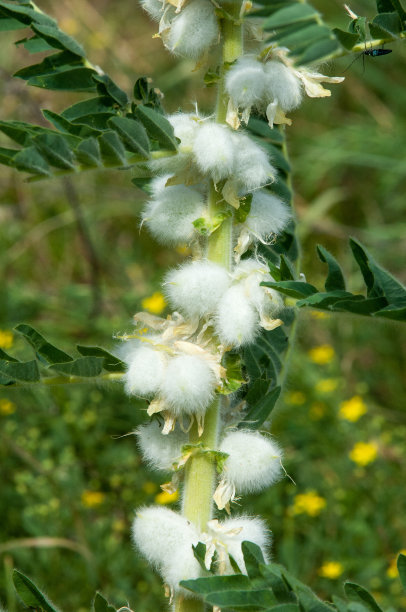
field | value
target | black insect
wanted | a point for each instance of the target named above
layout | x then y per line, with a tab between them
370	53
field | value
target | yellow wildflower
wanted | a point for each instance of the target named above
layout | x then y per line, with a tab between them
7	407
363	453
352	409
183	249
155	303
317	411
319	314
296	398
327	385
91	499
166	498
331	569
308	503
6	339
392	571
149	487
322	354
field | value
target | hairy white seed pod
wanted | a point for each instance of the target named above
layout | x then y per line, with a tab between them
188	385
194	30
250	273
252	530
170	215
196	287
157	450
268	215
214	150
245	82
283	85
254	461
237	321
184	126
165	539
154	8
252	168
145	373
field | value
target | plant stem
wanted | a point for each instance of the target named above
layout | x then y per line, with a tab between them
200	470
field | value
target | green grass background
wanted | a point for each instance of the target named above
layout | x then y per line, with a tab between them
348	155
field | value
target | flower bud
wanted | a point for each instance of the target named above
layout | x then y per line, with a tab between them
268	215
157	450
188	385
282	85
254	461
170	215
145	373
154	8
237	321
213	149
245	82
185	126
165	539
194	30
251	169
250	273
196	287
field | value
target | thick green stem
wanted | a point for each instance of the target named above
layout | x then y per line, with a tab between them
200	470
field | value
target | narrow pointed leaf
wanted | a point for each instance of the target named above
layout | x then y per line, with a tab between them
295	289
58	39
42	347
132	133
318	50
56	151
289	15
100	604
112	149
157	126
24	371
253	557
259	413
35	44
7	156
30	593
72	79
106	86
91	106
88	152
358	593
110	362
30	160
212	584
335	278
87	367
26	13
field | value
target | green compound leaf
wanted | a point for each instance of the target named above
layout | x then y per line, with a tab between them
24	371
389	23
90	107
88	153
289	15
58	39
110	363
401	564
261	599
335	279
44	349
30	593
30	160
133	135
295	289
112	149
26	13
214	584
87	367
70	79
358	593
100	604
347	39
253	557
63	125
157	126
35	44
260	411
107	87
55	150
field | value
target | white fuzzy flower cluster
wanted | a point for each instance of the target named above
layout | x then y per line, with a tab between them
235	304
190	30
165	539
273	86
253	464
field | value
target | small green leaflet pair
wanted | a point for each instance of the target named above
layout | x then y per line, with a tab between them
265	587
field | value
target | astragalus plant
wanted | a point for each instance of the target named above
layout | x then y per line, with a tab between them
212	370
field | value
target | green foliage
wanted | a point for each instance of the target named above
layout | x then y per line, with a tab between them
30	593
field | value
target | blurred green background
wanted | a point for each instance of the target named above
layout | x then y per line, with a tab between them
75	265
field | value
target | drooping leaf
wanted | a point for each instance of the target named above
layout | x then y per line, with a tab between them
26	13
24	371
49	353
58	39
87	367
358	593
260	411
30	593
110	362
107	87
335	278
295	289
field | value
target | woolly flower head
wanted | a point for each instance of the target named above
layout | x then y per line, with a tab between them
252	168
170	214
194	30
226	538
145	373
245	82
165	539
188	385
237	321
282	85
154	8
160	451
184	127
268	217
196	287
253	463
250	273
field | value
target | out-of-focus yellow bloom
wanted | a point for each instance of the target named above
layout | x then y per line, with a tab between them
317	411
322	354
166	498
331	569
352	409
327	385
308	503
363	453
183	249
6	339
319	314
296	398
6	406
91	499
69	25
392	571
155	303
149	487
